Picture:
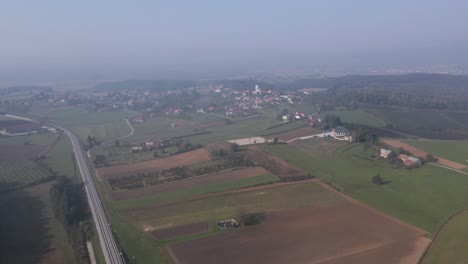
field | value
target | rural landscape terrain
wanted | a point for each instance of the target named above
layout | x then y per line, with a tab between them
355	169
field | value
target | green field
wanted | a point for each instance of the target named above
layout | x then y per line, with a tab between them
102	125
184	194
424	197
21	173
452	150
186	127
61	159
451	245
211	209
42	139
356	117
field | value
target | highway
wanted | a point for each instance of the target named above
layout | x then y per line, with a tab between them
109	247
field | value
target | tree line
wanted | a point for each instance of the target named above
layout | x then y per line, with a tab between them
71	209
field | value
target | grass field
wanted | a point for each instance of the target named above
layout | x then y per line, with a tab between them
184	194
452	150
357	117
21	173
424	197
211	209
102	125
61	159
34	139
451	245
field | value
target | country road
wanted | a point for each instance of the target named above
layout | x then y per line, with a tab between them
132	131
109	247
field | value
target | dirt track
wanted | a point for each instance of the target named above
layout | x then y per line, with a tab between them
420	153
183	159
189	183
344	233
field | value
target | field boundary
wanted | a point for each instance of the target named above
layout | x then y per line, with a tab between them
331	188
437	236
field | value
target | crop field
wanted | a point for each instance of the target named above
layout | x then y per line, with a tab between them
190	186
424	197
420	153
230	204
21	173
450	246
357	117
318	234
276	166
183	159
452	150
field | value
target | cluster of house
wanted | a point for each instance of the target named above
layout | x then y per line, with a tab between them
408	161
149	146
228	223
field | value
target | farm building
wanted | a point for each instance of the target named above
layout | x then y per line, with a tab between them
386	153
340	131
409	161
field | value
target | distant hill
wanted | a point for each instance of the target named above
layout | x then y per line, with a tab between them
23	89
162	85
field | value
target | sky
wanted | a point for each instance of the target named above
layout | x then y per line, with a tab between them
111	39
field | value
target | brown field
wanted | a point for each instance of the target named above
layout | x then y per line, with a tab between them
275	165
292	134
183	159
190	183
180	231
20	152
420	153
342	233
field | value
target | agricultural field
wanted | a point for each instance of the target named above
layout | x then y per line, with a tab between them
450	246
187	158
424	197
102	125
452	150
17	174
356	117
216	182
317	234
31	232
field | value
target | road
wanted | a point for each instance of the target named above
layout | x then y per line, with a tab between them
109	246
132	131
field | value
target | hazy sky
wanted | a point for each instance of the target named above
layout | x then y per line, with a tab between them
125	39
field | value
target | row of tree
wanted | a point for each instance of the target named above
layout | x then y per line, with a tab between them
71	210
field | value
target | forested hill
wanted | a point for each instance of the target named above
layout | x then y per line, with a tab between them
437	91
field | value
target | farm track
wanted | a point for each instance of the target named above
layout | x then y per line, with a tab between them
132	131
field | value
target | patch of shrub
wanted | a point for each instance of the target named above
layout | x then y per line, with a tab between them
254	219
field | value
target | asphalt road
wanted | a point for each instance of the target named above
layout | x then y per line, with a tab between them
109	246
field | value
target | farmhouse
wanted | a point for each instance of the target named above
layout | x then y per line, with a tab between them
409	161
340	131
386	153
